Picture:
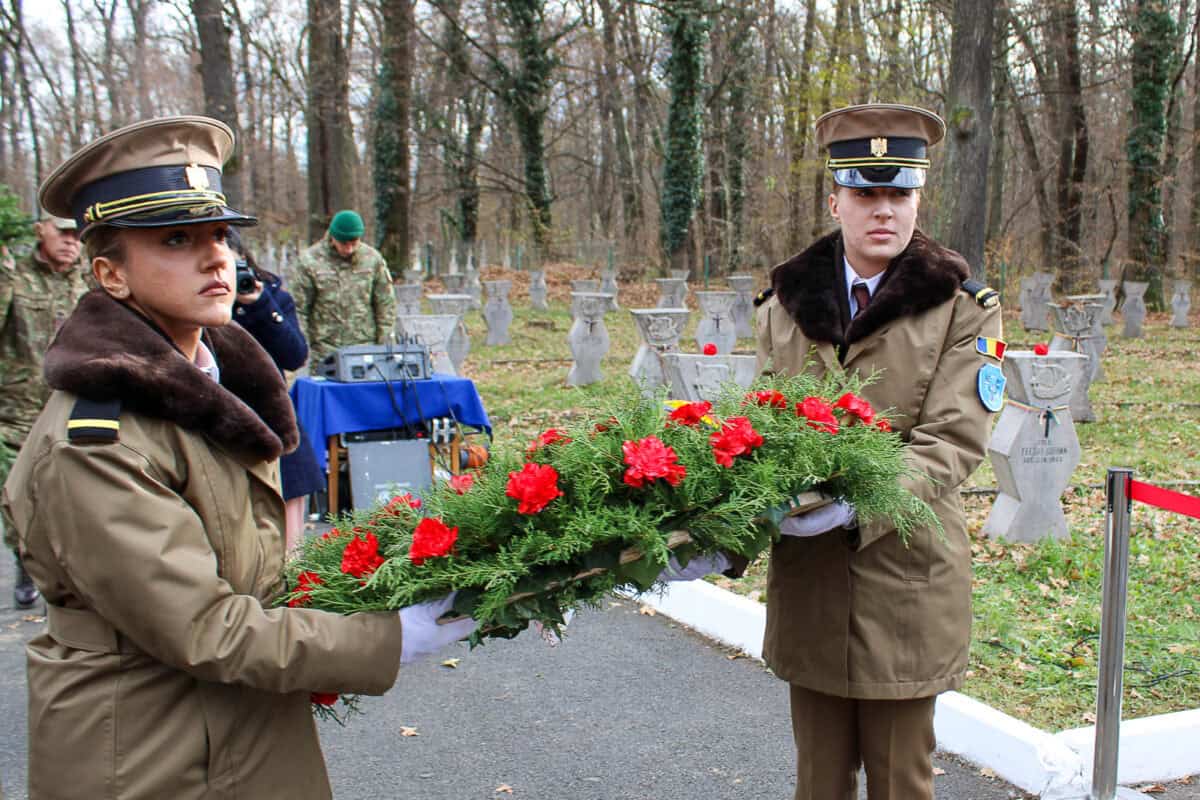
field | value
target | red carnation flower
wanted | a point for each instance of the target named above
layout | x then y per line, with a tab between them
323	698
710	349
604	427
1041	349
533	487
361	556
819	414
305	582
461	483
856	406
397	504
883	425
767	397
549	436
332	533
737	437
648	460
690	413
431	539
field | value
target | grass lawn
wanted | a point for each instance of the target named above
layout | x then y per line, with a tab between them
1037	607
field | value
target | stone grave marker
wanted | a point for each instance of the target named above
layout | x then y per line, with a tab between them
1134	308
414	275
1035	299
608	285
661	329
588	337
679	274
1181	303
497	313
672	292
1075	325
434	331
1108	288
1034	448
537	290
459	344
743	306
716	320
695	377
408	298
474	288
455	283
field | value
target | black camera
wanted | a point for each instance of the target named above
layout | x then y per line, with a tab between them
245	277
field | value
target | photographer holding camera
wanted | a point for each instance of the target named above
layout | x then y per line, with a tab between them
266	310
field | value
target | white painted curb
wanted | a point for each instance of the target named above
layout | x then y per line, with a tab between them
1051	765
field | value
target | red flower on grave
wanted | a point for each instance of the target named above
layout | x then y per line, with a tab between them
819	414
534	487
332	533
549	436
361	556
1041	349
710	349
323	698
883	425
767	397
690	413
305	582
737	437
856	407
648	460
397	504
432	538
461	483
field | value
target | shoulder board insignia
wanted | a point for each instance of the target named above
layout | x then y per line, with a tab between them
763	296
93	421
985	295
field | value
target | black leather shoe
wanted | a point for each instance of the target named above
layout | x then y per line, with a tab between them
25	594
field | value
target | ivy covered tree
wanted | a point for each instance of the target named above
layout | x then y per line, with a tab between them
393	104
683	167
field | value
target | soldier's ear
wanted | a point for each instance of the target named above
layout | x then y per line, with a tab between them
111	277
833	207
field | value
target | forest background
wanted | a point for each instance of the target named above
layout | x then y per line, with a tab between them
674	133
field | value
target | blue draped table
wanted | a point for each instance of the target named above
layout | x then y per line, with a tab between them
328	408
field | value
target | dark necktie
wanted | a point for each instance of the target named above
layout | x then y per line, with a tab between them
862	297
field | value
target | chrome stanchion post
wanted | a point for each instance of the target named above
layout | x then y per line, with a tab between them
1112	635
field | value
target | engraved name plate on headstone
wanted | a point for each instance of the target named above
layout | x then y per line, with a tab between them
459	344
661	329
695	377
1108	289
588	337
608	285
716	320
743	306
537	290
1034	447
408	298
455	283
1035	294
1181	303
497	313
1075	326
1134	308
672	292
432	330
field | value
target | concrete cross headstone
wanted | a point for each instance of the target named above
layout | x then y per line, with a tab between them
661	329
679	274
1134	308
743	306
459	343
1108	288
408	298
695	377
455	283
413	275
608	285
1075	326
537	290
1035	295
497	312
1034	448
716	320
588	337
432	330
474	288
672	292
1181	303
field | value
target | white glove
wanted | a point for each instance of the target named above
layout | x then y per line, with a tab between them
698	567
423	636
838	514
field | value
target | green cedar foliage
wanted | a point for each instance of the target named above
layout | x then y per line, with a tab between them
15	224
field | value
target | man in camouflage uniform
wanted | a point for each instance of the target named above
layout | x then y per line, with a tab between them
343	290
36	297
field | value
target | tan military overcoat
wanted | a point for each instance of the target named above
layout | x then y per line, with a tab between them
856	613
165	671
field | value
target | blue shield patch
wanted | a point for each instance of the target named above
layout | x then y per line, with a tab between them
991	382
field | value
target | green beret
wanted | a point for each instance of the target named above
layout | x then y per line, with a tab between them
346	226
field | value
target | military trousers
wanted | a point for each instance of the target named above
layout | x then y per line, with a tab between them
892	740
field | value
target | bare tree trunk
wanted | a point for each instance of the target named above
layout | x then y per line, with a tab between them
138	13
819	218
111	78
627	179
393	119
1194	218
798	125
75	131
330	185
1046	215
18	41
1073	149
252	157
220	94
1000	102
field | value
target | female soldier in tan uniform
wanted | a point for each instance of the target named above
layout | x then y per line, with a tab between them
866	630
147	507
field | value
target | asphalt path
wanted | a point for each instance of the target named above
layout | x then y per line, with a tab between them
629	707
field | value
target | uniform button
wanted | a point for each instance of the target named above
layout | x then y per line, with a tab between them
275	315
241	312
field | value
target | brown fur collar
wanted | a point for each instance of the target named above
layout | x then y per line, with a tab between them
807	285
106	351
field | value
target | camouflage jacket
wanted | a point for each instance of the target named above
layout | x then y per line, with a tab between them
343	301
34	303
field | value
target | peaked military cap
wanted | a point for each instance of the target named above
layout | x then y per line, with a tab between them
151	174
879	144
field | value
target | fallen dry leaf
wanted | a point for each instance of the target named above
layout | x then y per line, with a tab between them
987	772
407	731
503	788
452	663
1154	788
647	611
939	771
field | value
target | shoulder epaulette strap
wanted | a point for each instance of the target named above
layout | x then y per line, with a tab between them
93	421
985	295
763	296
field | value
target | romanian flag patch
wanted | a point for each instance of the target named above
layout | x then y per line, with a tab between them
990	347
